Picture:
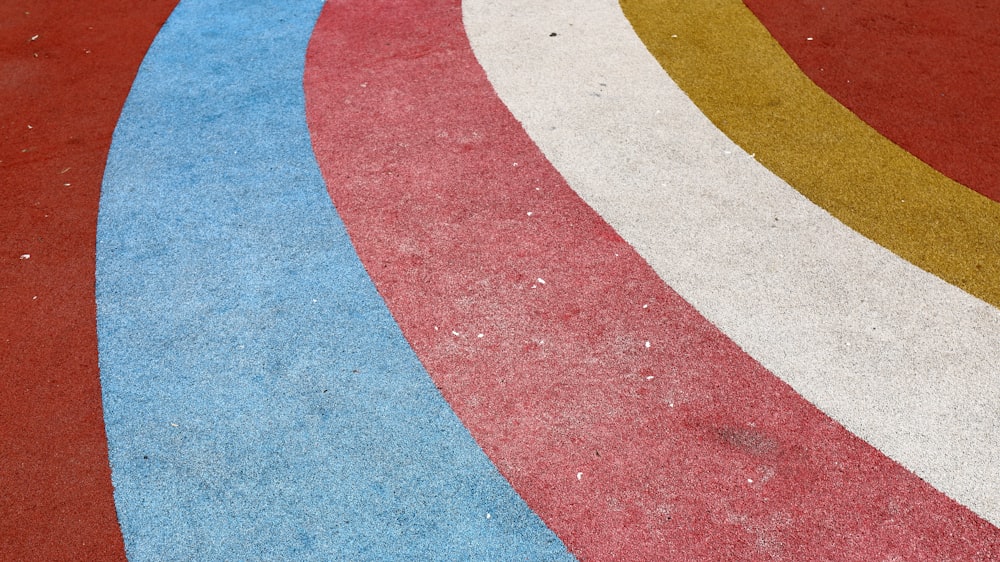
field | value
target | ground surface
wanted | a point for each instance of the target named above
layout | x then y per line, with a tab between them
499	280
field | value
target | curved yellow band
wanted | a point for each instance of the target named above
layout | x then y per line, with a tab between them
720	54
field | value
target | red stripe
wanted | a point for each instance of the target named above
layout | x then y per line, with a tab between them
67	68
686	448
887	62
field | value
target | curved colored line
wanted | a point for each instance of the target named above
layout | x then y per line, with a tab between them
725	59
901	358
260	402
65	69
924	76
627	421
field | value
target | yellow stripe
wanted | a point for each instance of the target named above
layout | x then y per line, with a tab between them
727	62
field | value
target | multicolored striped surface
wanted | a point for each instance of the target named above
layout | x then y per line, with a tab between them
489	280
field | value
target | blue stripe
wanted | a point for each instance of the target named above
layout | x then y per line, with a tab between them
260	401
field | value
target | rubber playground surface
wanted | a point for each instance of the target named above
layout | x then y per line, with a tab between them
499	280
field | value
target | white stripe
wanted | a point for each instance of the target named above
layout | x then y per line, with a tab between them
901	358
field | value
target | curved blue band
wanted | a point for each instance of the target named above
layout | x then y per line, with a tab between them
260	401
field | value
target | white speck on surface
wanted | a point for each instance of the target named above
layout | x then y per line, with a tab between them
647	345
314	300
479	335
529	213
30	127
173	425
753	155
454	333
671	404
34	298
649	378
488	516
809	38
645	306
579	476
66	184
674	36
364	84
542	281
515	164
25	256
34	37
435	328
750	480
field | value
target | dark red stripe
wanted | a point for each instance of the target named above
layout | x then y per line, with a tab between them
923	74
66	69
